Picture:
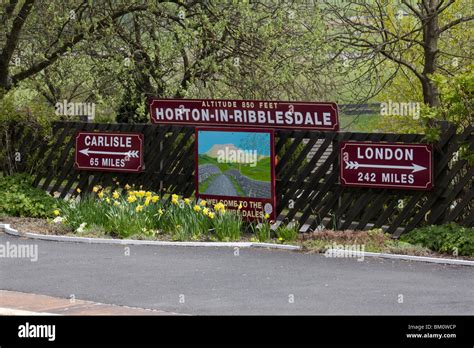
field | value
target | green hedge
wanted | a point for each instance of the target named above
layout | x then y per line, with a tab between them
450	239
19	198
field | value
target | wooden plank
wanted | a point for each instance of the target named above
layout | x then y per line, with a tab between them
382	199
52	154
433	195
290	150
460	206
305	186
442	206
356	208
292	171
67	157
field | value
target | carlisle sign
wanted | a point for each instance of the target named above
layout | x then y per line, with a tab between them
386	165
106	151
245	113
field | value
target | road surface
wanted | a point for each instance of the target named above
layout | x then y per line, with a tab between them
258	281
221	185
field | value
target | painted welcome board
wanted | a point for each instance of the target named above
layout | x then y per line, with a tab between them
237	167
246	113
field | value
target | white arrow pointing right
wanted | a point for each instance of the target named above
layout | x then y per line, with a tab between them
356	165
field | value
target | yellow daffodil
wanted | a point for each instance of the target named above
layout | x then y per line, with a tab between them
100	194
131	199
140	193
211	215
187	201
107	200
147	201
205	211
56	212
267	216
203	203
160	211
115	195
139	208
96	189
174	199
240	206
219	207
78	190
116	203
197	208
127	187
155	199
148	193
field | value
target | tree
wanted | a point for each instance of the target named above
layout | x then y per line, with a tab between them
407	33
37	33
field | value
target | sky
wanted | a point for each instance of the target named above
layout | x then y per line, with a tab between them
209	138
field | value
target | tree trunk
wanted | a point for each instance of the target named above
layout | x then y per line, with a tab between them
430	40
5	84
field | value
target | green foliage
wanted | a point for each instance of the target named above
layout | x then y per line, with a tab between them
227	226
262	230
19	108
450	238
457	98
288	232
19	198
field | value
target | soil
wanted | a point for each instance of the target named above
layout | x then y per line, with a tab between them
35	225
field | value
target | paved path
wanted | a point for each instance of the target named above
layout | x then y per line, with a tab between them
19	303
214	281
221	185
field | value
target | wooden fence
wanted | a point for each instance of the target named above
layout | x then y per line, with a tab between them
307	174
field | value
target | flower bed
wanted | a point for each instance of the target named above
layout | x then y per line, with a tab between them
130	213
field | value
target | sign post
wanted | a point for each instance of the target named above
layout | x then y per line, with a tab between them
237	168
246	113
107	151
386	165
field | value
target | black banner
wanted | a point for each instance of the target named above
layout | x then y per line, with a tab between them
289	330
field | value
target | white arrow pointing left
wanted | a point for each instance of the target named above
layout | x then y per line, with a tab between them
128	153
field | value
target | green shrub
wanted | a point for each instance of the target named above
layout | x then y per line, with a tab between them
450	238
288	232
227	226
262	230
19	198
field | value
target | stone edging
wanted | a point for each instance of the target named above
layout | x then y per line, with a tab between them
9	230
